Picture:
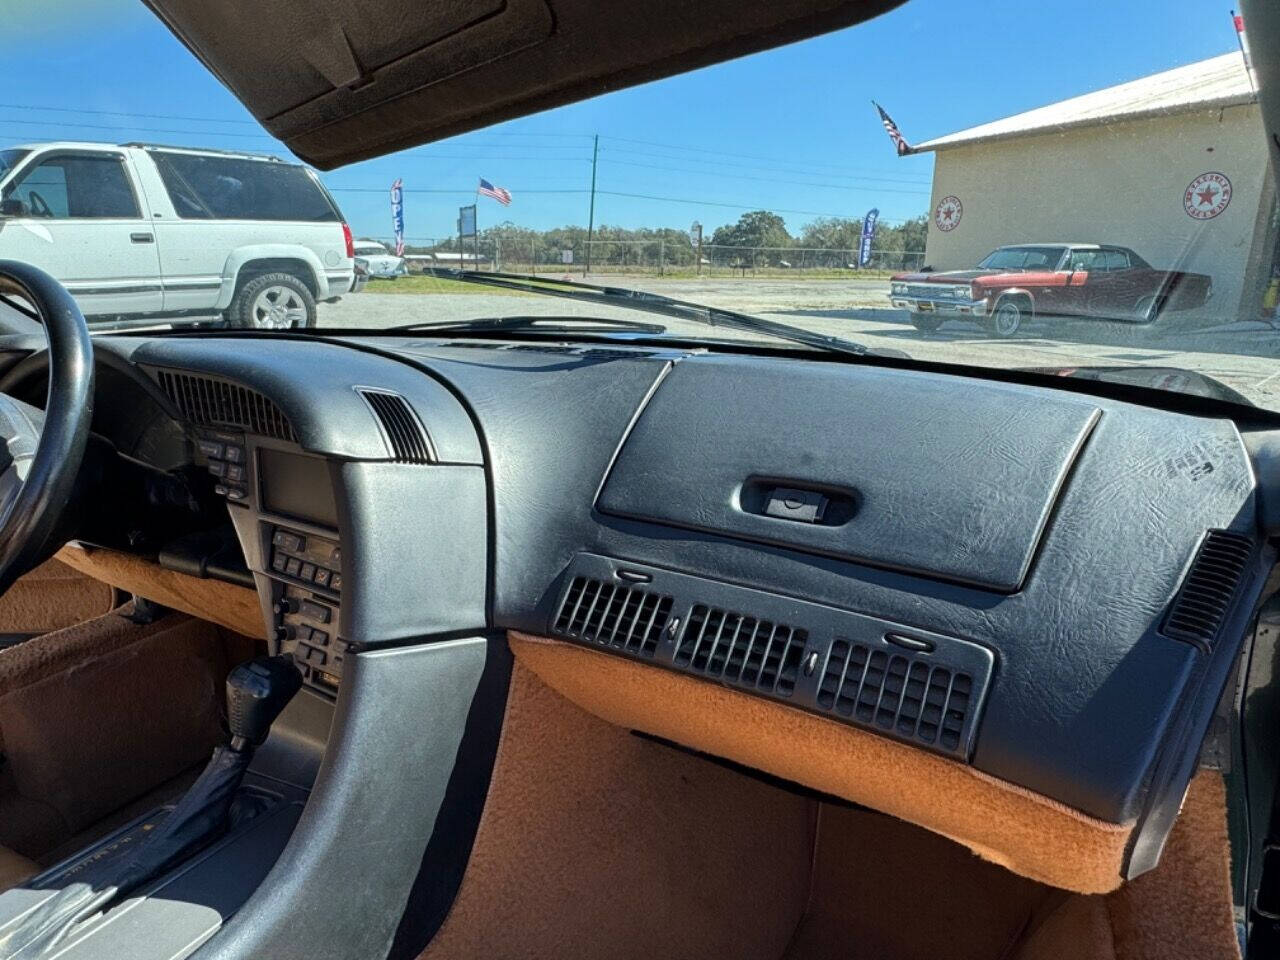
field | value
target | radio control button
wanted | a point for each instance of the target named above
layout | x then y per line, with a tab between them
315	611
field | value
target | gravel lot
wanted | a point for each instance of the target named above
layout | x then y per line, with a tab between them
1243	354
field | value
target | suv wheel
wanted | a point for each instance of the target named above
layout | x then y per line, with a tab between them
273	301
1006	319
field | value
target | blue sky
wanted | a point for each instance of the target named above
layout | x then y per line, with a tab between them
790	130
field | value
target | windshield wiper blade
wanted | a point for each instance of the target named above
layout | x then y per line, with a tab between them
525	323
651	302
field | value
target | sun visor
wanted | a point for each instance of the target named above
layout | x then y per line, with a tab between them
344	82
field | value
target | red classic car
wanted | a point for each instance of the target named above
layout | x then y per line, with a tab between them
1016	282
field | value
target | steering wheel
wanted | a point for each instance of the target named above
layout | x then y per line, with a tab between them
39	207
40	451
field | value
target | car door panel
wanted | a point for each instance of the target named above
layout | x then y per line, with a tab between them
95	238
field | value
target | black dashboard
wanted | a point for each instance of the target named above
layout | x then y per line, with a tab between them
1050	586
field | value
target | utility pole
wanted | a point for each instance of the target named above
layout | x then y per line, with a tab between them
591	216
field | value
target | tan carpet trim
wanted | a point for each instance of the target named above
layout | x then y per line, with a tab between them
51	597
14	868
1029	834
236	608
1182	909
600	845
98	714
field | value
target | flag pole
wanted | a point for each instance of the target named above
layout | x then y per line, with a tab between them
475	226
1238	22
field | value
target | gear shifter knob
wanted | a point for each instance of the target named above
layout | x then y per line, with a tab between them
257	691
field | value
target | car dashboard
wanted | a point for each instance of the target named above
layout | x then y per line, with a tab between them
1041	592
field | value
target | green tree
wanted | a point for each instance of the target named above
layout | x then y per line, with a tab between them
759	228
832	233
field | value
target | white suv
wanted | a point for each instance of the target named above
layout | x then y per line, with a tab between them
379	262
138	231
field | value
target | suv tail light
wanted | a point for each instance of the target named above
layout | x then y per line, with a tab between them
348	240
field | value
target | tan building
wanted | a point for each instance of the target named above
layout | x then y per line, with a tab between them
1173	166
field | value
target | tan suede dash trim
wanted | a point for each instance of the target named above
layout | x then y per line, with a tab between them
225	604
1027	833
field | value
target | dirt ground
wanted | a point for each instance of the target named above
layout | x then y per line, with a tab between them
1245	355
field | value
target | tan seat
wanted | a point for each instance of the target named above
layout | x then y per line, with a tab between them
14	868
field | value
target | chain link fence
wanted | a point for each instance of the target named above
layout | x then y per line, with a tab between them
657	257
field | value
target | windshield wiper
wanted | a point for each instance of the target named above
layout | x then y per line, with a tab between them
610	325
640	300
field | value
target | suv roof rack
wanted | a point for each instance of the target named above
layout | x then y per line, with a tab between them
226	153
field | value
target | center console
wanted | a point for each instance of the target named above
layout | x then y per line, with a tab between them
285	511
306	594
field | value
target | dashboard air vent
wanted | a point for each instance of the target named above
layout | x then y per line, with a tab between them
613	615
217	403
1209	589
741	649
405	436
910	697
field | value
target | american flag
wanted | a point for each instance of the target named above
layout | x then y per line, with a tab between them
891	128
501	194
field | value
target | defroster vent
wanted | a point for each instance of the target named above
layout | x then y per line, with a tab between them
1210	588
614	615
405	436
210	402
741	649
899	693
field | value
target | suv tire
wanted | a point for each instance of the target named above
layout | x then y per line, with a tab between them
273	301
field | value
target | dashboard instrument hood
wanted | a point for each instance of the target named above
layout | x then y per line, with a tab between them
345	82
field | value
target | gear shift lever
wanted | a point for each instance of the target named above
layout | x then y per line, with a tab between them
256	693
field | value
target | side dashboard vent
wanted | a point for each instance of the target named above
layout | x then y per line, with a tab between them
740	649
898	693
613	615
405	436
1211	585
210	402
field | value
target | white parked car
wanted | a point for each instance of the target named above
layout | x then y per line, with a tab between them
379	262
138	231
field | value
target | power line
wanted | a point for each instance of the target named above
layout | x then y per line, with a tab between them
792	169
123	113
725	153
170	116
120	126
460	190
793	183
745	206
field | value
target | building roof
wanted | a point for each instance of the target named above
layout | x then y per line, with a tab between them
1217	82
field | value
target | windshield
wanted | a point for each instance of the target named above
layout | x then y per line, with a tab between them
10	159
1101	204
1022	258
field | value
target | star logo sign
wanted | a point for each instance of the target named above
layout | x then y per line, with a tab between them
1207	196
948	213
